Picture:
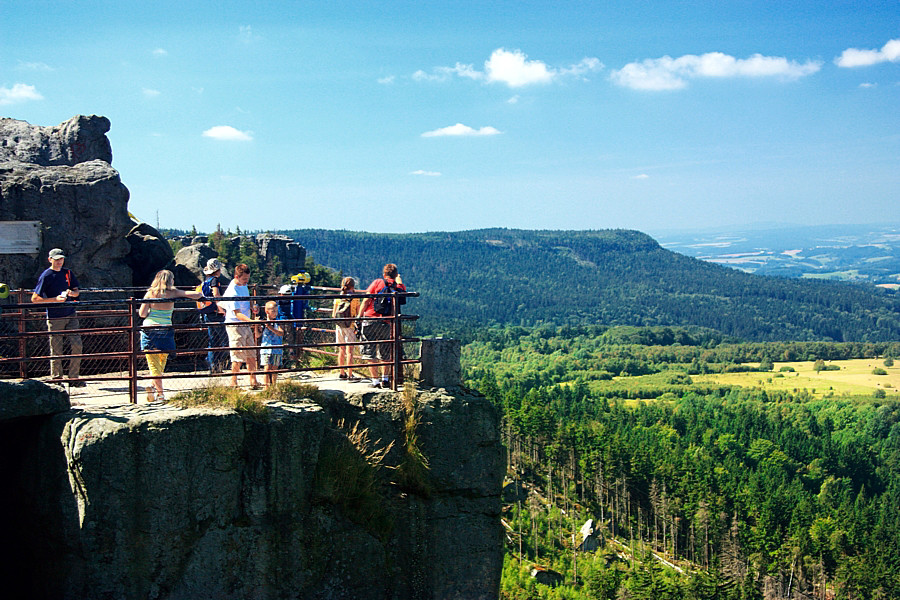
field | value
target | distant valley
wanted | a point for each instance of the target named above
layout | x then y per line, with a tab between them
862	253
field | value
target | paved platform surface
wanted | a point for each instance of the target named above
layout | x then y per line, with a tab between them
115	393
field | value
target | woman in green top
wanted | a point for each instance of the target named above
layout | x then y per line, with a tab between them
157	335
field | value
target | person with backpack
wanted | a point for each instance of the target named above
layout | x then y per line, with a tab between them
376	326
345	309
213	315
60	286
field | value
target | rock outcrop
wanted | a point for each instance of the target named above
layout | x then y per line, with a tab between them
61	176
150	252
145	502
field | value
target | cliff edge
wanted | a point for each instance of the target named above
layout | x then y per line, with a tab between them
167	502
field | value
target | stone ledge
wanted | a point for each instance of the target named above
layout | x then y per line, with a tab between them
31	399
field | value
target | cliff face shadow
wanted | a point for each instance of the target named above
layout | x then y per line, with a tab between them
37	512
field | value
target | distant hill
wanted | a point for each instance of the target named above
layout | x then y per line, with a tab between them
862	253
615	277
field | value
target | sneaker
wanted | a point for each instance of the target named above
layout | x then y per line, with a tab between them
343	376
377	384
77	384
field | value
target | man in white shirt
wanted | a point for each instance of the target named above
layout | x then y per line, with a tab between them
238	315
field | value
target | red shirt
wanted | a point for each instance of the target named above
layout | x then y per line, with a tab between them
375	287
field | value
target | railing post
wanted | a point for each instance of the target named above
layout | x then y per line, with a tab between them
397	341
23	343
132	353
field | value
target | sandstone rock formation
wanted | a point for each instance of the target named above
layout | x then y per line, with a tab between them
190	262
150	252
146	502
61	176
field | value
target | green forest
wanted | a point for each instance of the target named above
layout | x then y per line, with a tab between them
472	279
715	492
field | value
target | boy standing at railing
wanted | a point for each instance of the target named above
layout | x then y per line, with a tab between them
272	337
376	324
59	285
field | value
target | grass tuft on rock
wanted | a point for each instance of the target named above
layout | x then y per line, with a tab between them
348	475
292	391
220	396
413	471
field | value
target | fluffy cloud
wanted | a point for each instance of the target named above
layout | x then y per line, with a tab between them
426	173
19	92
159	52
856	57
669	73
511	67
227	132
515	70
150	93
459	129
386	80
641	176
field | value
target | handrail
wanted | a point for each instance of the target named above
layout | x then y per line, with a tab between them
127	350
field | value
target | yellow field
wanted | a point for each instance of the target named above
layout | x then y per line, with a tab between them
854	377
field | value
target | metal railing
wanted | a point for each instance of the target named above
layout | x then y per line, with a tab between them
109	328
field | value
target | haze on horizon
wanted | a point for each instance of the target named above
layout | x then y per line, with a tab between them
400	117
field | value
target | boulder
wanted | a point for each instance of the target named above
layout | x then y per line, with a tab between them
150	252
190	262
80	139
61	177
31	398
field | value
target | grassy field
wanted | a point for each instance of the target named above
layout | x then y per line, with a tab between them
854	377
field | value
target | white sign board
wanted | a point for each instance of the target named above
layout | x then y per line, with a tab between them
20	237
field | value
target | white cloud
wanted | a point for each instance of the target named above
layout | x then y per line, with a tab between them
587	65
227	132
459	130
421	75
641	176
160	52
386	80
669	73
150	93
34	66
856	57
19	92
512	67
515	70
868	85
513	100
426	173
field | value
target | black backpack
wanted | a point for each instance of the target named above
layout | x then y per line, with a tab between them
382	303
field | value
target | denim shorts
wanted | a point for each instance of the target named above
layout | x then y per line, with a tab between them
158	338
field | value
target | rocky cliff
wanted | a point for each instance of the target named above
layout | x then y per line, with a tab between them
62	177
165	502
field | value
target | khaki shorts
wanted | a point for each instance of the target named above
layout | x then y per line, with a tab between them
238	337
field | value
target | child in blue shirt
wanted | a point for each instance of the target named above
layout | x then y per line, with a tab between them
272	336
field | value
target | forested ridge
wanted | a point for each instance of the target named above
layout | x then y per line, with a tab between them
744	493
502	276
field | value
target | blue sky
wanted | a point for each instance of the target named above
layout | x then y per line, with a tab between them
423	116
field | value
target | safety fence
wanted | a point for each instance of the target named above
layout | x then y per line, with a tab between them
109	328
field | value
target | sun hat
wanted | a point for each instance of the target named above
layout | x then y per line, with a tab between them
213	265
56	253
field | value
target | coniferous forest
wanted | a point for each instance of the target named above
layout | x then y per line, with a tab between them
472	279
694	491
